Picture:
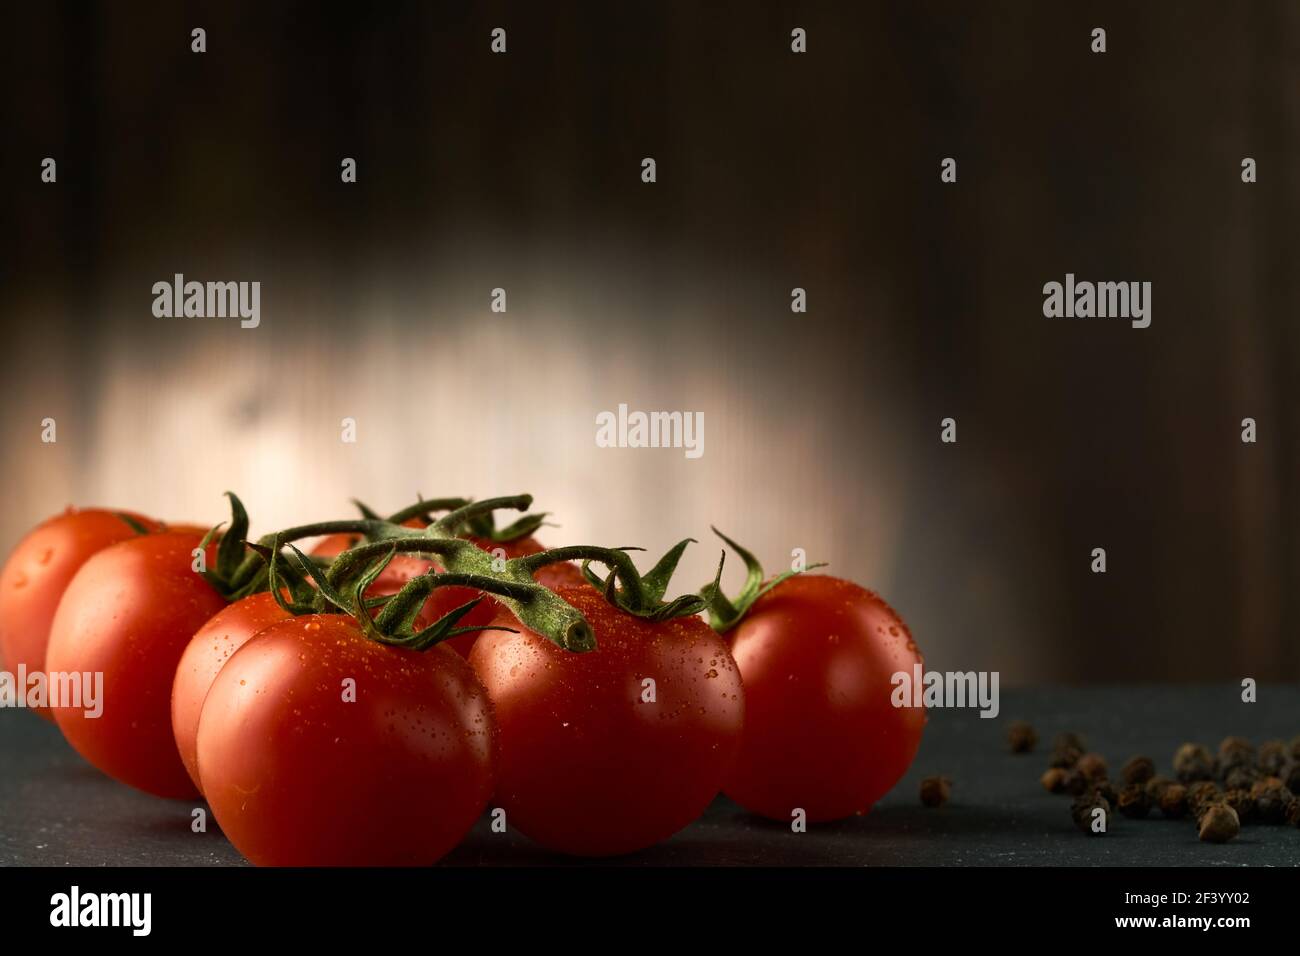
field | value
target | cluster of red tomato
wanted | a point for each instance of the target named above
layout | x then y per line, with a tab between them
315	744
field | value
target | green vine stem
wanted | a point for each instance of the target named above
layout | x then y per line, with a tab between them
724	614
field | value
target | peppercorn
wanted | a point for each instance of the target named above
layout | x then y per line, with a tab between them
1173	801
1293	812
1292	777
1241	778
1021	736
935	791
1272	758
1092	766
1271	798
1064	757
1155	788
1242	802
1075	782
1106	789
1082	812
1219	824
1053	780
1200	793
1137	770
1235	752
1133	801
1192	762
1069	740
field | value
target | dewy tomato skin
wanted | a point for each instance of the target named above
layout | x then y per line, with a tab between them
587	765
817	655
129	614
207	652
296	774
38	571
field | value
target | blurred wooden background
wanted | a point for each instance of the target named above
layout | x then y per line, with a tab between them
775	171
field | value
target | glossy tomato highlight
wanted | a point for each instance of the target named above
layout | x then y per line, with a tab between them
817	655
320	747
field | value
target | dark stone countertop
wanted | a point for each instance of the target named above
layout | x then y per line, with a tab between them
55	810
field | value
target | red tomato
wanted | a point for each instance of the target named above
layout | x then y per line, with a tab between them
298	775
128	615
817	654
38	571
204	656
590	764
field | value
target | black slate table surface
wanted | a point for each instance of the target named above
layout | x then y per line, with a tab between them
55	810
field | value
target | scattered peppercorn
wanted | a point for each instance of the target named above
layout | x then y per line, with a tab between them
1219	824
1272	758
1064	757
1241	778
1137	770
1021	736
1069	739
1201	793
1075	782
1271	799
1293	812
1192	762
1236	752
1292	777
935	791
1133	801
1082	811
1092	766
1173	801
1155	788
1241	801
1053	780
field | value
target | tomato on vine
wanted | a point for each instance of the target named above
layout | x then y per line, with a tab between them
615	749
817	655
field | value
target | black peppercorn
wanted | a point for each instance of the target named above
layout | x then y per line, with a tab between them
1241	801
1235	752
935	791
1069	741
1133	801
1291	777
1271	798
1241	778
1075	782
1219	823
1021	736
1138	770
1199	794
1064	757
1053	780
1272	758
1083	812
1192	762
1173	801
1092	766
1293	812
1155	788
